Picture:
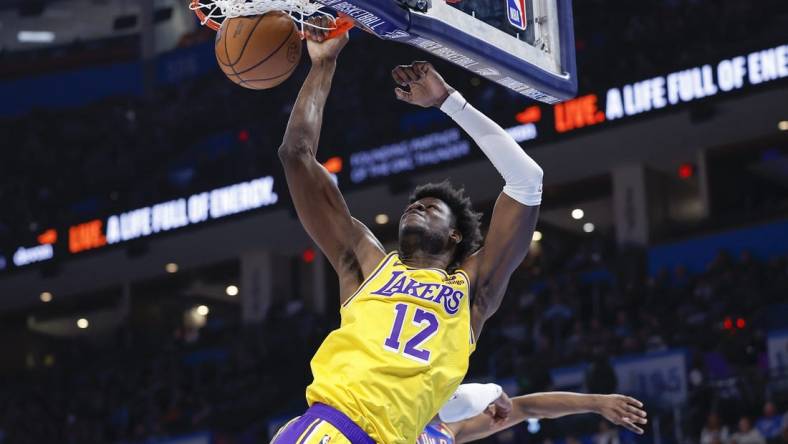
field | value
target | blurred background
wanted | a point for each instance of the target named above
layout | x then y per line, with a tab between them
156	286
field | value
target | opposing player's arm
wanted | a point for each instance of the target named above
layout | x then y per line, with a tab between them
517	208
349	245
618	409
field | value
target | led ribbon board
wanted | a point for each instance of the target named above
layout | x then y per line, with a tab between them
146	221
414	154
697	83
546	74
195	209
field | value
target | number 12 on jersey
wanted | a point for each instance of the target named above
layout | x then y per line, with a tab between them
421	318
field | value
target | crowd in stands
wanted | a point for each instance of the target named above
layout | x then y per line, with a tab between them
576	315
71	164
143	382
770	428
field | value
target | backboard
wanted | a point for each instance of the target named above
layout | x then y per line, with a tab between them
525	45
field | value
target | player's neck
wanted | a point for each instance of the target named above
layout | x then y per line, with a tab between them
423	259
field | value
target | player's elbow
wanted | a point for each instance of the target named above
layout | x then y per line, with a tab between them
294	152
532	172
538	172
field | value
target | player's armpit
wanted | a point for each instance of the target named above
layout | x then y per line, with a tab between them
505	246
349	246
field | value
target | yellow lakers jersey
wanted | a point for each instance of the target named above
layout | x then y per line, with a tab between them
400	352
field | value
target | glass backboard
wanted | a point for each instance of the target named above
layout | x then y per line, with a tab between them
525	45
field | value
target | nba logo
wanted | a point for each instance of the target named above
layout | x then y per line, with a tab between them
515	12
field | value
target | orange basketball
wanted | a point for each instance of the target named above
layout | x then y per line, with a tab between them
258	52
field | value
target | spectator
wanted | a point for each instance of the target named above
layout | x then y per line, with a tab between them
770	424
783	435
785	421
601	378
746	434
557	318
623	328
714	432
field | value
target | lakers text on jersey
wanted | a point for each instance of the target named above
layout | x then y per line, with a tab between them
400	352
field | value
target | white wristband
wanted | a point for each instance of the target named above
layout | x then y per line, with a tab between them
468	401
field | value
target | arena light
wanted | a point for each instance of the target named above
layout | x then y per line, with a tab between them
35	36
686	171
588	227
203	310
231	290
537	236
783	125
83	323
578	214
382	219
171	268
46	297
308	256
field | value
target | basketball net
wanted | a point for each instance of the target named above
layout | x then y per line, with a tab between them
212	12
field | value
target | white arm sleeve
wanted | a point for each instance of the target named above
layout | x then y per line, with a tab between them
523	176
468	401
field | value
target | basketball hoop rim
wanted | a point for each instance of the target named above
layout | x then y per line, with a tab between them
204	20
294	8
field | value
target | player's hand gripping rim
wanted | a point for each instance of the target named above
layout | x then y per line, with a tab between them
319	41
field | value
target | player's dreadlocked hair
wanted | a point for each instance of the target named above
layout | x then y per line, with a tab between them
468	221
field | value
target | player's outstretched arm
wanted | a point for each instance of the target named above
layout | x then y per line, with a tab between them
618	409
349	245
517	208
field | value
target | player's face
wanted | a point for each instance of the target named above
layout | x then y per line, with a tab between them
429	217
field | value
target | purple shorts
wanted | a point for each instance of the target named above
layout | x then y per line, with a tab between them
301	430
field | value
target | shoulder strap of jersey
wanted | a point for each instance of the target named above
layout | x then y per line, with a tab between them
378	269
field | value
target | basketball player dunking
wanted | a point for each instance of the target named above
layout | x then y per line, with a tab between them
410	318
